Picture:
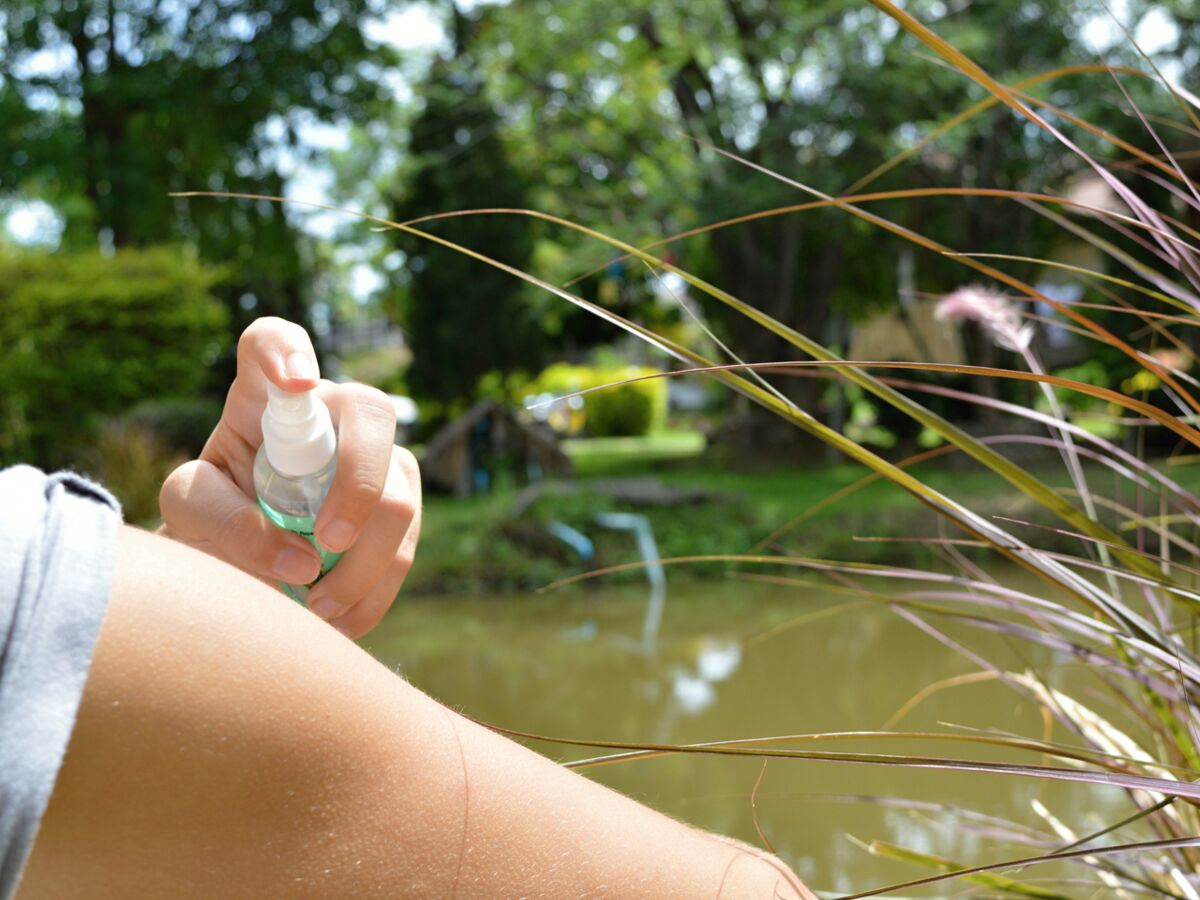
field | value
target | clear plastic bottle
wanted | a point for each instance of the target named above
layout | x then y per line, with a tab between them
294	468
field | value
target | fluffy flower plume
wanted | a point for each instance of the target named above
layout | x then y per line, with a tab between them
991	311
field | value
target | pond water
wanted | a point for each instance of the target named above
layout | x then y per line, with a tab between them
732	661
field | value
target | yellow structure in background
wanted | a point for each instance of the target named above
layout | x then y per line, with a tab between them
910	334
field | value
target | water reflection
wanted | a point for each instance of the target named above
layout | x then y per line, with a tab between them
716	660
574	665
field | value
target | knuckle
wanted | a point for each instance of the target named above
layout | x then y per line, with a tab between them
373	405
362	491
398	508
173	489
264	327
353	391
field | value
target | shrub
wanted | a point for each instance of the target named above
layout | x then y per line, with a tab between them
132	460
630	409
85	336
182	424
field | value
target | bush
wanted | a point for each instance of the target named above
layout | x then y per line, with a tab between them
132	460
181	424
85	336
631	409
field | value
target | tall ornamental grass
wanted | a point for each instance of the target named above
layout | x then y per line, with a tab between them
1127	612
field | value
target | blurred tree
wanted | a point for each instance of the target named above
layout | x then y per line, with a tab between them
465	318
601	97
111	104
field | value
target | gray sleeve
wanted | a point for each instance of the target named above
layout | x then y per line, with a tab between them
57	542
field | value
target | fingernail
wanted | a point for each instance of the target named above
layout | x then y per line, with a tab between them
296	566
327	608
300	365
337	534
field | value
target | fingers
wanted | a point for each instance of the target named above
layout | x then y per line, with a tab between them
269	349
366	614
366	423
361	587
281	351
372	511
202	507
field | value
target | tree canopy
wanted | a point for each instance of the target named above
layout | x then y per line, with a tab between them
610	115
620	111
110	105
465	317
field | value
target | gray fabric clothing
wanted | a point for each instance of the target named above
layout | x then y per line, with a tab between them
58	536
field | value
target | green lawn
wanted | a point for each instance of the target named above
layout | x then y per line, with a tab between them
476	544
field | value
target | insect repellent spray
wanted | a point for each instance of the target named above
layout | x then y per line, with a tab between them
294	468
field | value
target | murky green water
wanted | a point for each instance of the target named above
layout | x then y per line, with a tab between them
572	665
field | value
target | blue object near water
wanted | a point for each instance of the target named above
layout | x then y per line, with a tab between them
575	539
655	574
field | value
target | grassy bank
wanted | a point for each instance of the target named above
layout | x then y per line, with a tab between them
487	543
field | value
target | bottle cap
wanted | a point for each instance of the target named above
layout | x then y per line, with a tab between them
297	432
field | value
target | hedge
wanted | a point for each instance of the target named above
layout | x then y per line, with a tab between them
630	409
84	336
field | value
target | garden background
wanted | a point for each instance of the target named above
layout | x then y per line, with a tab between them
997	199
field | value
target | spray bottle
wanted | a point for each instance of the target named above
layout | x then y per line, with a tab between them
294	468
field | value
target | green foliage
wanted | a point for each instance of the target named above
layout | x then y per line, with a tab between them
475	545
182	423
381	367
862	424
109	105
631	409
1113	548
625	410
503	388
601	96
132	460
465	318
86	336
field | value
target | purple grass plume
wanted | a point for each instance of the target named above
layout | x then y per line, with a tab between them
992	311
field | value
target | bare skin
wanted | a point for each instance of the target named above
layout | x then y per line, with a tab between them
230	744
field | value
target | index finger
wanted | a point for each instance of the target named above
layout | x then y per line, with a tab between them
271	349
279	350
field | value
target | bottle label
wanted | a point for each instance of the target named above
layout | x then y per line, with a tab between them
303	526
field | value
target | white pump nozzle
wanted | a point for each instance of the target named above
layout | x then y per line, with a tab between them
297	432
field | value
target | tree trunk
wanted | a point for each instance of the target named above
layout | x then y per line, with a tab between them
104	125
761	265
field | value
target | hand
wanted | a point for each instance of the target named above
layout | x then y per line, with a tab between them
372	512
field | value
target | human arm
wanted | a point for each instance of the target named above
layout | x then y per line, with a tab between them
230	745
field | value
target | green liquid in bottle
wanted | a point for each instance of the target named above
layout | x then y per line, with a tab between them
303	526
